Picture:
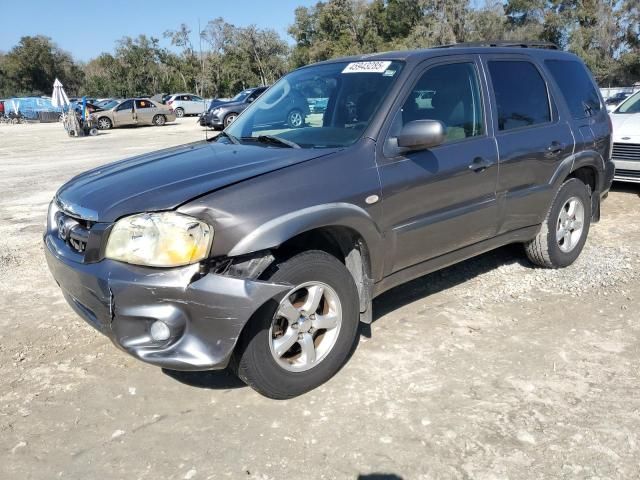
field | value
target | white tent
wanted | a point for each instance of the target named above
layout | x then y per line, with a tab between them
59	97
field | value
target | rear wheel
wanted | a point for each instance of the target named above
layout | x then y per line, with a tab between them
179	112
293	346
565	229
159	120
104	123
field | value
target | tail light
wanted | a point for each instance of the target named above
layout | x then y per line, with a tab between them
169	102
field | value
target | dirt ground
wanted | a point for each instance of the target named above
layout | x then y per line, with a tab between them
490	369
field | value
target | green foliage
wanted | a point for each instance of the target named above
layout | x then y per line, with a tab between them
31	67
605	33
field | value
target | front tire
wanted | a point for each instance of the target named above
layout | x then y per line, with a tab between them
104	123
565	229
291	347
295	119
179	112
229	119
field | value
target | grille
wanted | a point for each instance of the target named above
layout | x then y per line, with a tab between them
620	173
73	231
626	151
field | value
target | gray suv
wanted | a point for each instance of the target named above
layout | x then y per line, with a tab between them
263	248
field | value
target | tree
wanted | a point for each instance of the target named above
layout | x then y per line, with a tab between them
31	67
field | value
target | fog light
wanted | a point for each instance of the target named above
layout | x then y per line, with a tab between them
159	331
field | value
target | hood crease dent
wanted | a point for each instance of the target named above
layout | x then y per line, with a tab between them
165	179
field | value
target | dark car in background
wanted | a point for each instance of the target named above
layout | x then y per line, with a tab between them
221	113
262	249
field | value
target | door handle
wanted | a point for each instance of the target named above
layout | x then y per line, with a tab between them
479	164
555	148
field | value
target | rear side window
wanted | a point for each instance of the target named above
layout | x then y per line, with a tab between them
576	87
521	94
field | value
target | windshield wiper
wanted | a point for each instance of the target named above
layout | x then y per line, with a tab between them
273	140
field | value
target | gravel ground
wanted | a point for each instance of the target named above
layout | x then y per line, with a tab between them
489	369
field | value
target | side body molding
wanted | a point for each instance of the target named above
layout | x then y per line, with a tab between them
280	229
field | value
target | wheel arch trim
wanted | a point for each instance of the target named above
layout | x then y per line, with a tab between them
277	231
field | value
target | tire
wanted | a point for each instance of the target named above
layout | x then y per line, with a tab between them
289	373
159	120
179	112
295	119
93	131
104	123
229	119
560	241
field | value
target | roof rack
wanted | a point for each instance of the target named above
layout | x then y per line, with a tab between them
503	43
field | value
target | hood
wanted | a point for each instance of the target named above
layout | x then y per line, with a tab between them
231	104
166	179
626	126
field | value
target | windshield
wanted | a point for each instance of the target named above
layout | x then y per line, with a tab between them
241	96
352	92
630	105
108	105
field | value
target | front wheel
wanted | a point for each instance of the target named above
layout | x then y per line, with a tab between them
293	346
565	229
179	112
229	119
295	119
104	123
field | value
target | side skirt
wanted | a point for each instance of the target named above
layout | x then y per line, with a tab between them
429	266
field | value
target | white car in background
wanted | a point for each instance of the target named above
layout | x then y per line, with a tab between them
626	139
187	104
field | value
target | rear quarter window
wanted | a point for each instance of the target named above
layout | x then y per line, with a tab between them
576	86
521	94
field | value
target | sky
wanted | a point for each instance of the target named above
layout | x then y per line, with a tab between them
87	28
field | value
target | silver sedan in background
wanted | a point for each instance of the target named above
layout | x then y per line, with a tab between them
134	111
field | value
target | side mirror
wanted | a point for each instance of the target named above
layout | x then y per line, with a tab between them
421	134
250	99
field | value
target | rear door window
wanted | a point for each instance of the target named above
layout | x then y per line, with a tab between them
576	87
521	94
144	104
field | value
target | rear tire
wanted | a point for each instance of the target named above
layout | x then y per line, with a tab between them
565	229
159	120
278	368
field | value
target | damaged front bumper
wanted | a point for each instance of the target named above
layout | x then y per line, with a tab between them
205	313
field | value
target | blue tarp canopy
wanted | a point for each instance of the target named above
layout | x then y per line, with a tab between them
29	107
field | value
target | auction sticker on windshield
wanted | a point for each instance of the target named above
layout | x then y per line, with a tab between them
367	67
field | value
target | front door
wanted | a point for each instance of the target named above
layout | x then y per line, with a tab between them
124	114
444	198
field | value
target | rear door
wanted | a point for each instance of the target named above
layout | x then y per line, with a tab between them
583	103
533	137
124	114
444	198
145	111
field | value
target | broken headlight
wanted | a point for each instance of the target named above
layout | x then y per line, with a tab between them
162	239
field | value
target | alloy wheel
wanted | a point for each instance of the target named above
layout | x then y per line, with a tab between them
570	224
305	326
